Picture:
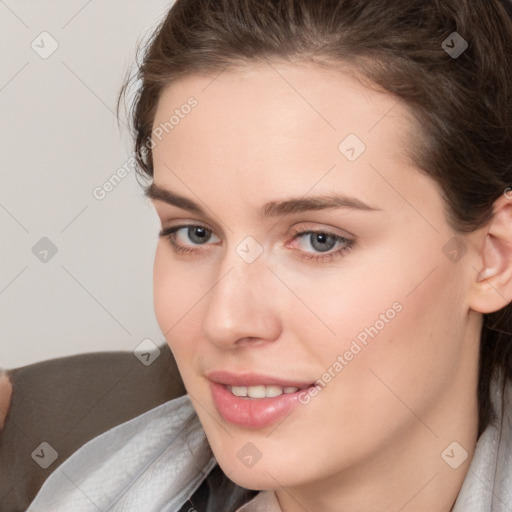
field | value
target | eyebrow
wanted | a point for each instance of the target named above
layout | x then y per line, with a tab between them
270	209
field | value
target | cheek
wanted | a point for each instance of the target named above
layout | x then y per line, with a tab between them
177	293
400	320
174	294
163	300
412	357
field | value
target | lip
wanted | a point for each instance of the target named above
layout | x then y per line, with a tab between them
253	379
252	412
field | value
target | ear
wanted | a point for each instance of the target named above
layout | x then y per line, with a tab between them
493	284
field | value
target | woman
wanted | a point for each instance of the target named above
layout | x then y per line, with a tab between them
334	273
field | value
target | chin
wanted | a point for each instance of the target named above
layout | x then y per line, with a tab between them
263	475
261	481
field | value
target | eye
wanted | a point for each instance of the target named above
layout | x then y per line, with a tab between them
199	235
322	242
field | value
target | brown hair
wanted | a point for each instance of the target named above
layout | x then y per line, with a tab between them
463	104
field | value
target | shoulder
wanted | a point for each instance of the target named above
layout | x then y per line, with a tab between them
65	402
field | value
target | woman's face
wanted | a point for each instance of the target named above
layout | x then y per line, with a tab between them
373	307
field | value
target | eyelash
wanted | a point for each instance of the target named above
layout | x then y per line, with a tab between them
170	234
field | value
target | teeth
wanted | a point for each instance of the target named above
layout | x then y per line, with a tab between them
256	391
238	390
261	391
271	391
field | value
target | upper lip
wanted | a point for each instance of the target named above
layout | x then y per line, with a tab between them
253	379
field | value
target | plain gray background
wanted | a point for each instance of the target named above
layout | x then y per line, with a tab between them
60	140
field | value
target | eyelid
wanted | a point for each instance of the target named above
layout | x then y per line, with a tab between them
303	226
168	215
319	257
184	223
170	231
311	226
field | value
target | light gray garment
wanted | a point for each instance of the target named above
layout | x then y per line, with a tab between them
142	464
145	464
488	483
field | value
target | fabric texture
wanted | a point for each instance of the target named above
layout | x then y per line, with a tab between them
488	483
146	464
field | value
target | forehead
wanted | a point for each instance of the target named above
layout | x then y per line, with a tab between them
265	101
298	126
272	80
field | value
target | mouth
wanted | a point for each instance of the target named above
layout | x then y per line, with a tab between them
256	383
254	401
263	391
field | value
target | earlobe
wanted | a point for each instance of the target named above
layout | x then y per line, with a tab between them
493	283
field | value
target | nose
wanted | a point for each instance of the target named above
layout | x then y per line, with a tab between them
242	306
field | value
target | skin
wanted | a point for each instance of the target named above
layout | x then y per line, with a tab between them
5	398
372	438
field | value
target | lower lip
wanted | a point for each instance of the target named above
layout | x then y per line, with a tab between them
253	412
